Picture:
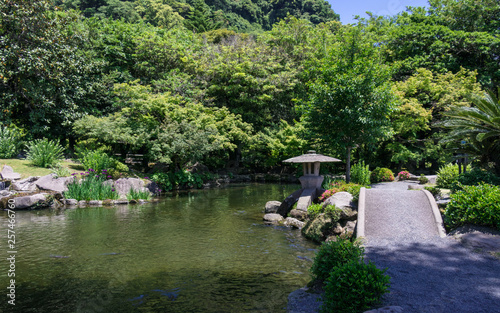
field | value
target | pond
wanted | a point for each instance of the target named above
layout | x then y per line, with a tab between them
200	251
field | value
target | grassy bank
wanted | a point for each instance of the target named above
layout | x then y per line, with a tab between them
24	167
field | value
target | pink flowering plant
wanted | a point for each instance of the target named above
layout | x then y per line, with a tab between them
338	186
403	175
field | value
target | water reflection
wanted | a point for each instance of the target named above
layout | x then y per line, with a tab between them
202	251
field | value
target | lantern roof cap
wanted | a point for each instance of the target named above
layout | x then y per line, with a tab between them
311	157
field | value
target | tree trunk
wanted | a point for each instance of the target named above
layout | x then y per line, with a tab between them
348	166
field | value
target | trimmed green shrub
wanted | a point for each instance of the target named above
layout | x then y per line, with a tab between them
96	160
382	175
434	191
354	287
44	152
423	180
474	177
333	254
447	176
10	142
478	205
360	174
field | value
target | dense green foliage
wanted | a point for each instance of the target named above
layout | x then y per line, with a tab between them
202	16
360	173
178	81
478	127
10	142
354	287
334	254
479	205
381	174
447	176
474	177
44	152
180	180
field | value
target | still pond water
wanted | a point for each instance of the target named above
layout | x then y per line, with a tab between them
202	251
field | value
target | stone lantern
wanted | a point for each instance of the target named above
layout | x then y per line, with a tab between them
311	181
311	162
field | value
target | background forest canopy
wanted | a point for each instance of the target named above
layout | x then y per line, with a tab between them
246	84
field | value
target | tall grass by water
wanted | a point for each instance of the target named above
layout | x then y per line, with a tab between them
90	187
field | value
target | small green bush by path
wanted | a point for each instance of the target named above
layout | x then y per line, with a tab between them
434	191
10	142
333	254
423	179
474	177
44	152
138	195
360	173
90	187
478	205
447	176
354	287
382	175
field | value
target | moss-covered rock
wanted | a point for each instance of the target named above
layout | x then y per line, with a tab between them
320	227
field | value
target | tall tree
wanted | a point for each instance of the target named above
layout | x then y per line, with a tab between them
46	81
350	101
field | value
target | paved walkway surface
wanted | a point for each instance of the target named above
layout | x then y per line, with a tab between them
428	273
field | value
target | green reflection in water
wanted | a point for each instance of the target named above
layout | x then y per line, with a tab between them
202	251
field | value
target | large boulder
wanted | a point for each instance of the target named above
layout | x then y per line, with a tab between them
320	227
123	186
298	214
273	218
272	206
8	173
50	182
293	222
34	201
340	200
27	184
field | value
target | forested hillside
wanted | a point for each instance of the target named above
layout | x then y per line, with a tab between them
200	16
133	76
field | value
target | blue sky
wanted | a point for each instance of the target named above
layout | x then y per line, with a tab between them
348	8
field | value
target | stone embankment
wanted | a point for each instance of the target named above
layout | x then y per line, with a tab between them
48	191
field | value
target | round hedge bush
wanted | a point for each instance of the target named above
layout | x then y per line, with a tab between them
354	287
447	176
381	175
334	254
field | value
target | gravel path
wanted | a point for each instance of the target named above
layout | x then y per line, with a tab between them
428	273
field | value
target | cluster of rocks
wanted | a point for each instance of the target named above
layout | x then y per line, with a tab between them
47	191
328	226
324	226
272	217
